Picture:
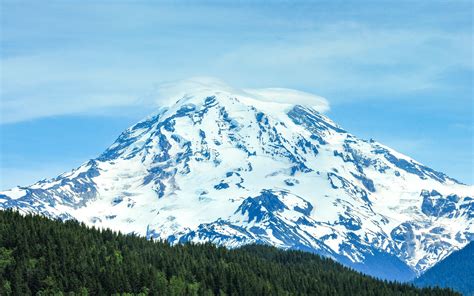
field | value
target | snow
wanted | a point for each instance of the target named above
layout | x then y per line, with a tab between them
15	193
162	197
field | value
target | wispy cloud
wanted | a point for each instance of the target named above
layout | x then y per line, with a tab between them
410	61
82	62
357	58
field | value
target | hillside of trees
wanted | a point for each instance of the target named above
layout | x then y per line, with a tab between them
456	271
44	257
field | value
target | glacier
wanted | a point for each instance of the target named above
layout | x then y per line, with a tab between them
234	168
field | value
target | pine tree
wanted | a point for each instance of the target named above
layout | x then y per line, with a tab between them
67	258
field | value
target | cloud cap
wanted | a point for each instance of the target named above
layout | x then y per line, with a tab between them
290	96
169	92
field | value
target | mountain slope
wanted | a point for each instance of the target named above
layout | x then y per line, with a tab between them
52	260
235	168
456	271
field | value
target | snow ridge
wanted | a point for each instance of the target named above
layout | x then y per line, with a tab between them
234	168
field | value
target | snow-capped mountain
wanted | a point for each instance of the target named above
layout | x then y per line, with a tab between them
238	167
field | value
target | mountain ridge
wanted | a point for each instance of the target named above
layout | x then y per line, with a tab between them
455	271
226	167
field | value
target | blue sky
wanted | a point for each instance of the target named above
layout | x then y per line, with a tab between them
73	76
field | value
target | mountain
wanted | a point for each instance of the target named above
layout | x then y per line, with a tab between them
53	260
455	271
247	167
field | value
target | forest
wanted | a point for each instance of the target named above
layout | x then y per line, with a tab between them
39	256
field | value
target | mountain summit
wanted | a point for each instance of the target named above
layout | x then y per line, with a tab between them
236	167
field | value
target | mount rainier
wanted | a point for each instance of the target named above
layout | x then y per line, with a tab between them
240	167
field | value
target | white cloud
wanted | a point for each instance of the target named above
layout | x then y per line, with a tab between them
343	61
290	96
353	58
168	93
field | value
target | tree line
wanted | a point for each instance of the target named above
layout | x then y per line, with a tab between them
39	256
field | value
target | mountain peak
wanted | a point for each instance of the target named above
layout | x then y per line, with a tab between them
236	166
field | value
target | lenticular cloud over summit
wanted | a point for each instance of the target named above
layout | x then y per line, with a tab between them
168	93
291	97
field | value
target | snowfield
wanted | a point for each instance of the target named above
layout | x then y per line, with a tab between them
238	167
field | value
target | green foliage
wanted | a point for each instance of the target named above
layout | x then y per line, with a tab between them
39	256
